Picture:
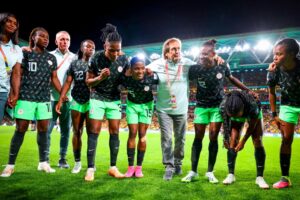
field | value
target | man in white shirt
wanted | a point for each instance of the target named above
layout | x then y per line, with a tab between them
64	58
172	103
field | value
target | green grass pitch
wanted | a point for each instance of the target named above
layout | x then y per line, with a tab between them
28	183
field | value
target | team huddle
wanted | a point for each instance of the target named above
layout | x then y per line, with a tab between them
81	89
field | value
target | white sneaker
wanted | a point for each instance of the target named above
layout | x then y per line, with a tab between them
39	168
89	176
229	179
77	168
191	176
261	182
44	166
211	177
8	171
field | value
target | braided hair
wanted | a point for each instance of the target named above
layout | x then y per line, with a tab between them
233	103
110	34
211	43
291	45
33	32
80	52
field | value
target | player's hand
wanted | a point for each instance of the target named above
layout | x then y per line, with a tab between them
219	59
226	144
240	146
254	94
104	74
58	106
272	67
12	100
26	49
149	72
277	122
65	99
128	72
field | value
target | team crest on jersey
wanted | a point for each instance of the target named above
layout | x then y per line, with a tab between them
92	111
146	88
50	62
219	75
120	69
20	111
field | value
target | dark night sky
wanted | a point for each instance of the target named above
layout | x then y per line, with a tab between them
154	21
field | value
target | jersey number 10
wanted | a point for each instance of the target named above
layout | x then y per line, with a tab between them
32	66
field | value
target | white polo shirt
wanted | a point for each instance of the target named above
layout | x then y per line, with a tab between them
169	72
66	58
14	55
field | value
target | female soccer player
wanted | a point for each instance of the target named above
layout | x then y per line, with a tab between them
138	112
10	54
210	77
236	108
287	77
81	95
33	97
104	76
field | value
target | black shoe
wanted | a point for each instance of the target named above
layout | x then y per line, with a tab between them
62	163
178	170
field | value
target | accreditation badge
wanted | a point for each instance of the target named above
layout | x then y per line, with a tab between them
173	103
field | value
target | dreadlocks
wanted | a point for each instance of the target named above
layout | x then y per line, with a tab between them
33	32
291	45
211	43
233	103
110	34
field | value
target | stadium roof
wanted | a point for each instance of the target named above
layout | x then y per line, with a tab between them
249	50
23	42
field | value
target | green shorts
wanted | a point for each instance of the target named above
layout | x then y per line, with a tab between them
112	109
207	115
31	110
139	113
82	108
289	114
244	119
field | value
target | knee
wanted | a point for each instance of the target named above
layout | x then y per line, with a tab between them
21	129
43	129
213	136
286	141
132	136
77	131
143	139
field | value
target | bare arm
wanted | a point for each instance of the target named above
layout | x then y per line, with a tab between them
15	85
63	93
237	83
251	128
55	81
92	80
272	98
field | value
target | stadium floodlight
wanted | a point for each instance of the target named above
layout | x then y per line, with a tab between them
195	52
244	47
238	47
263	45
224	49
154	56
141	55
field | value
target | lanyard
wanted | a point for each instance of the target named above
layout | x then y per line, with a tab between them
4	57
179	70
62	62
